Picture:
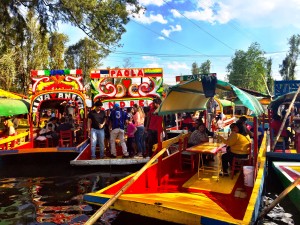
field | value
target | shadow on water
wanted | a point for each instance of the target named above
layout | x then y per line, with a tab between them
273	188
46	189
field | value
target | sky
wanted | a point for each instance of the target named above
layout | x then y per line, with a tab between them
173	34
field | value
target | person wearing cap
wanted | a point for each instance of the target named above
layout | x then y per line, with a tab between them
96	123
118	120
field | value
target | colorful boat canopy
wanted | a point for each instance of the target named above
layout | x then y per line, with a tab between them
226	103
11	107
55	72
7	94
189	96
283	99
127	73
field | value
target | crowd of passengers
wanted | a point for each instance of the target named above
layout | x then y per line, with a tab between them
134	129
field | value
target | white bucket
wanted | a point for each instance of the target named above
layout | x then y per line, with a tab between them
248	176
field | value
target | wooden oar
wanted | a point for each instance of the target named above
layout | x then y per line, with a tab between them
277	200
285	117
104	207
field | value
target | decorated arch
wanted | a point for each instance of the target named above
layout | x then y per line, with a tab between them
127	86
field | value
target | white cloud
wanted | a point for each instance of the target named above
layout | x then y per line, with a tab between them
142	18
172	29
177	66
153	65
175	13
152	2
275	13
161	38
150	58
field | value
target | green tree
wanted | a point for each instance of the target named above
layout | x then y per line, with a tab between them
102	21
287	68
248	69
195	68
30	54
269	78
85	54
7	70
205	67
57	47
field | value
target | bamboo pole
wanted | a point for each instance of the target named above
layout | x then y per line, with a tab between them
285	117
104	207
277	200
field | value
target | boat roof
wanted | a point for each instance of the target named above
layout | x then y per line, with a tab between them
285	99
189	96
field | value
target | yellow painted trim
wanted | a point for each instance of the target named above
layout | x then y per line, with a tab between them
183	208
255	192
12	138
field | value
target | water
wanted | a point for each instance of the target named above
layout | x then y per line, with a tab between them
39	189
45	189
284	213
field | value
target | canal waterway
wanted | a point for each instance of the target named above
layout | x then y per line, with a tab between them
40	189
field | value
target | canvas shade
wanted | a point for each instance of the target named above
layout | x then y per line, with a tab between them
7	94
283	99
226	103
189	96
11	107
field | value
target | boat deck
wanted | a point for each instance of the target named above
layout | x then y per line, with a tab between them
183	198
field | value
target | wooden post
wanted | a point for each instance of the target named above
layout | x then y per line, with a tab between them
111	201
271	133
277	200
285	117
255	148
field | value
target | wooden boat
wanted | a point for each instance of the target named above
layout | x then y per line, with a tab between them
132	86
168	190
285	94
288	172
84	159
49	90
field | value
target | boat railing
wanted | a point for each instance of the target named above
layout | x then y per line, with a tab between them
180	142
11	142
259	176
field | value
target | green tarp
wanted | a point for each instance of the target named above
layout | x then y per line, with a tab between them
189	96
11	107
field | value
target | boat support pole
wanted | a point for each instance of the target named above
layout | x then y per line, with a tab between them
285	117
111	201
277	200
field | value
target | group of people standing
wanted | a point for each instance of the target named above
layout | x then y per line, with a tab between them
118	122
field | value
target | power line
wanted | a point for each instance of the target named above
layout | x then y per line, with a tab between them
168	38
197	25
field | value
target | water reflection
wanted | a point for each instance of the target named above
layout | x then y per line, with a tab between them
53	200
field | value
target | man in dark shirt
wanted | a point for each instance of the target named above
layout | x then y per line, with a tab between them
96	122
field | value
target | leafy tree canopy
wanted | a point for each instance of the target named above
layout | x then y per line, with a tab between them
102	21
249	69
289	63
203	69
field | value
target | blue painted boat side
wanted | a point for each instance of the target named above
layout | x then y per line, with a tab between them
210	221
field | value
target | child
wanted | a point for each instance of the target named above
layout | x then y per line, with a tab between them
131	129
